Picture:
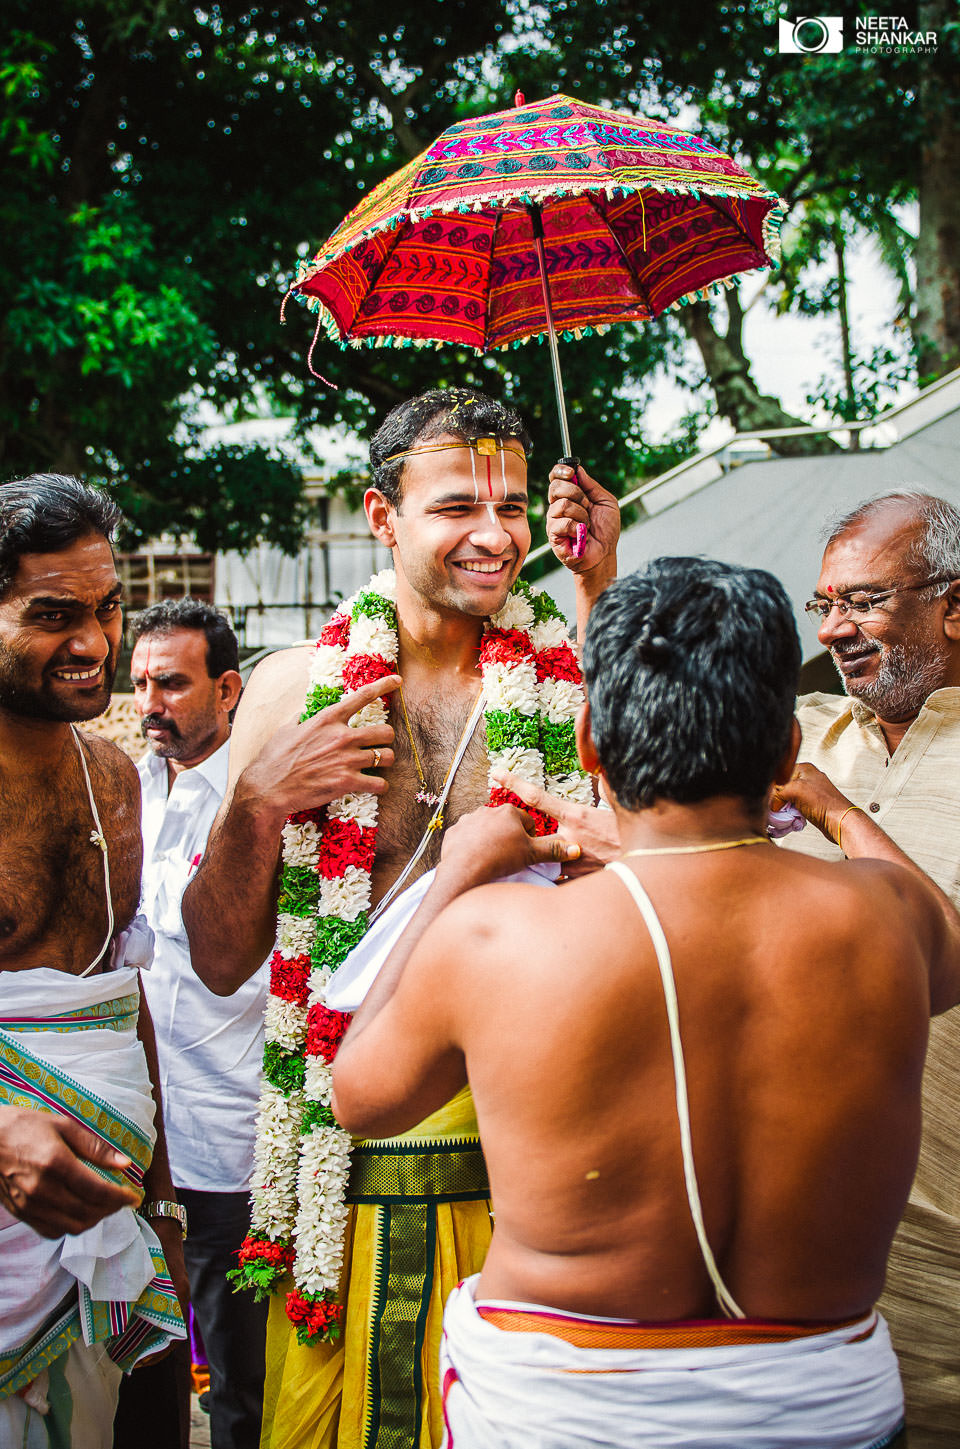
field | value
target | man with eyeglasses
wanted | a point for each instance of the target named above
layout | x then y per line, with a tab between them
888	607
887	751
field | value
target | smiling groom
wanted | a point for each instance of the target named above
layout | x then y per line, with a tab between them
360	794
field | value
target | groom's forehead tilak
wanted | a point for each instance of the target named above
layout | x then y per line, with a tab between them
488	472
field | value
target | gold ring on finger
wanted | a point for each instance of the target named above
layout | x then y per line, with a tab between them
376	758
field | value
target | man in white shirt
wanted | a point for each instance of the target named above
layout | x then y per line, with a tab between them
186	684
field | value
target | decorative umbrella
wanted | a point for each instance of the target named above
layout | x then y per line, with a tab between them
552	216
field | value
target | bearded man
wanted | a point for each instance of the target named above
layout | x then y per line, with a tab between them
85	1288
449	499
888	752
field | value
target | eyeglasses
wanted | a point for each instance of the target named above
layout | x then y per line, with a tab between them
862	604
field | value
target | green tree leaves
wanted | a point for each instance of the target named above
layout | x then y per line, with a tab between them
163	167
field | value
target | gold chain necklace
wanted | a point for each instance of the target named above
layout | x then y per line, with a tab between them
423	795
701	849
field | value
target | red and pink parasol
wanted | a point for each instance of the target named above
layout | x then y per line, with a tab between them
552	217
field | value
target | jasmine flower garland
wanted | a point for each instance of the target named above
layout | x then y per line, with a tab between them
532	690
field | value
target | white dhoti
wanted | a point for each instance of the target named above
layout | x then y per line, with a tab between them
69	1045
518	1376
71	1405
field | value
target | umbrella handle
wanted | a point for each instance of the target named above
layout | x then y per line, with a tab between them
536	221
580	537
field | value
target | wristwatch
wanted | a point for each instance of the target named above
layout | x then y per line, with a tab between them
173	1210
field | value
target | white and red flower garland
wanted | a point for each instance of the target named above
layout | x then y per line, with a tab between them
532	690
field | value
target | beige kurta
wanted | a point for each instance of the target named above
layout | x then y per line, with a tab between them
914	795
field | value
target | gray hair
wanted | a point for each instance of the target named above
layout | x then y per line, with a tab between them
936	550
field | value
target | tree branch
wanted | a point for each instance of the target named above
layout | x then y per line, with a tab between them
407	138
738	397
790	193
734	333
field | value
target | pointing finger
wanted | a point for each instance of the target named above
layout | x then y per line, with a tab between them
369	737
533	795
351	704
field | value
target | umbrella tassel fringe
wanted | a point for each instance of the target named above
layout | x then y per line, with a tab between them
770	232
395	340
310	367
702	294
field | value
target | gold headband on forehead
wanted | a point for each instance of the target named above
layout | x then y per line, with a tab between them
486	447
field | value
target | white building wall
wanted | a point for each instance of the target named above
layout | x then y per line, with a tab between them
275	599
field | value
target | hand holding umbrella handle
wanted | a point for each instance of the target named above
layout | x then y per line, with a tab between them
583	520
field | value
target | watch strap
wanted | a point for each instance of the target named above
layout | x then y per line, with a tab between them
166	1209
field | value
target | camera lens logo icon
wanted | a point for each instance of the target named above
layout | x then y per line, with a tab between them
811	35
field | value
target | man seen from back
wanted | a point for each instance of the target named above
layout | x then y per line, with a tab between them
693	1206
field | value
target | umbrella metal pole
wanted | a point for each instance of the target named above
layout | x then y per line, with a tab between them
537	223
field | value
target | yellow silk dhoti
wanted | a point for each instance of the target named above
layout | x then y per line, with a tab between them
419	1223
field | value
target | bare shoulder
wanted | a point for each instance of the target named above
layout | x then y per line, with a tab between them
875	907
842	885
286	669
114	764
493	907
906	899
274	696
868	875
503	924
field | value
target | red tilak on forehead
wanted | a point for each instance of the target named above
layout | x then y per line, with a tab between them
829	588
489	481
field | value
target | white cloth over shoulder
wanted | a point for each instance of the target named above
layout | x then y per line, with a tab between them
360	969
509	1390
111	1260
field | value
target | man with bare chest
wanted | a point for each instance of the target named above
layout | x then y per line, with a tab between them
394	764
85	1290
694	1202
